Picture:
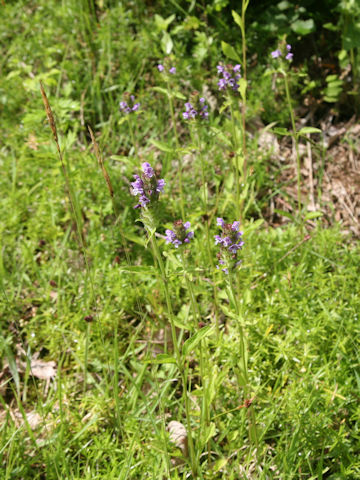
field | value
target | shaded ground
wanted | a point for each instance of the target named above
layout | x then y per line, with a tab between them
330	176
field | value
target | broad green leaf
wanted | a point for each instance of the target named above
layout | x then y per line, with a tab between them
219	464
207	433
135	238
303	27
163	358
164	147
193	341
311	215
237	19
161	90
138	269
284	214
305	130
229	51
179	95
281	131
166	43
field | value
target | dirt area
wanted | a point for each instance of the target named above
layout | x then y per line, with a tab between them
330	175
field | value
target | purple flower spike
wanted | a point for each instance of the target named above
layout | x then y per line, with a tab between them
201	108
230	242
160	185
180	234
276	53
130	107
147	169
229	77
147	186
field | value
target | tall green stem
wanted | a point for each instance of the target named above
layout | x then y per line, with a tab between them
173	120
205	411
243	360
178	357
296	139
236	167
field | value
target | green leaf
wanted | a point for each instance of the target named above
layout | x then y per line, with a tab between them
219	464
311	215
303	27
284	214
164	147
207	433
138	269
179	95
193	341
237	19
163	358
229	51
305	130
166	43
161	90
281	131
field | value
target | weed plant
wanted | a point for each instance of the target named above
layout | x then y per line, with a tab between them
191	338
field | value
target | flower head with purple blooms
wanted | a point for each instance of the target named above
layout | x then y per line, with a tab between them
200	109
180	234
230	242
162	69
279	53
229	77
129	106
147	186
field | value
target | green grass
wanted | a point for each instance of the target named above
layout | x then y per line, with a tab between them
104	415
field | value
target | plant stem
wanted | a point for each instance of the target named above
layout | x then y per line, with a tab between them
173	120
179	360
296	139
243	360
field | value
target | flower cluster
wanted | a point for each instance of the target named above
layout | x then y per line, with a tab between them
180	234
201	109
161	69
147	186
130	107
230	76
278	53
230	242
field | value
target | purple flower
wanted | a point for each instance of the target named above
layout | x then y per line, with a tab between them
147	169
201	108
126	107
230	242
160	67
172	70
180	234
147	186
276	53
229	77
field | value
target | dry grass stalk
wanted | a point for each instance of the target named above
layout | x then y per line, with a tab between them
101	162
49	115
52	124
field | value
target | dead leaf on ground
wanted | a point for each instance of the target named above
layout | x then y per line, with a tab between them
43	370
178	436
